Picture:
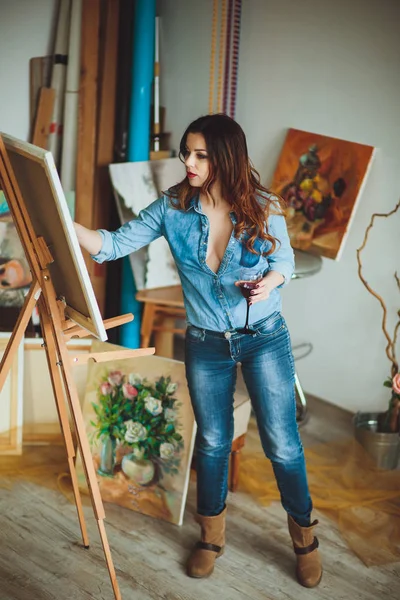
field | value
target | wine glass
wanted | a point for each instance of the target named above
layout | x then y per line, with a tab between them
248	281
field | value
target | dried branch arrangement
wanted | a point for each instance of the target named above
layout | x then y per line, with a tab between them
391	420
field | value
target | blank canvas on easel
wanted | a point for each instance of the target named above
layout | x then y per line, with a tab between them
46	205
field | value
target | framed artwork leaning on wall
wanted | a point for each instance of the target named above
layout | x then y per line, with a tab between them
321	178
141	429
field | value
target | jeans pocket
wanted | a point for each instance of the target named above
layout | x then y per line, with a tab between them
271	326
194	334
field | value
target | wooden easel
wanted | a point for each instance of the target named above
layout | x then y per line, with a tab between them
57	330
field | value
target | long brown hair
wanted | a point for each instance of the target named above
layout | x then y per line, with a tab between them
240	182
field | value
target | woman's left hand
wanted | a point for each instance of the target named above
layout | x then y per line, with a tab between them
265	286
261	291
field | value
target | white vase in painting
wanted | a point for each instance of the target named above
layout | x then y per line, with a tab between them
142	471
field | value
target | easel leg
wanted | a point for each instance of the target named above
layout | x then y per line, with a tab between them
91	479
39	257
52	360
76	413
18	333
109	560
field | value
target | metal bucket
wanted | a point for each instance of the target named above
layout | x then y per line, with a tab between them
384	448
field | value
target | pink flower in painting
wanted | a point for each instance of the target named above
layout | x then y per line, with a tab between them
105	388
115	377
396	383
129	391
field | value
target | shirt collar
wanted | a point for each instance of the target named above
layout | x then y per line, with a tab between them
195	204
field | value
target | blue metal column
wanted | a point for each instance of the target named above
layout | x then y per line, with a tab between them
138	141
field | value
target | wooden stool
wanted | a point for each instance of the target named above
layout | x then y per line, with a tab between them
162	307
241	417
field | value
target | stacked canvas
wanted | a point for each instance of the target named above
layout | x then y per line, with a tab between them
136	185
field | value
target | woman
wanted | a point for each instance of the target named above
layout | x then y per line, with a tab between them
223	228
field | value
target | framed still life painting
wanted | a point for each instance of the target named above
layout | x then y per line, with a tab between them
141	429
321	178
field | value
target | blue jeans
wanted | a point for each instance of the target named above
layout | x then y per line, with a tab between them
268	369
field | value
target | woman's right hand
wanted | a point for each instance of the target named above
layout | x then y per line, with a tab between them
89	239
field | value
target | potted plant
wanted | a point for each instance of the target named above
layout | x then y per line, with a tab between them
379	432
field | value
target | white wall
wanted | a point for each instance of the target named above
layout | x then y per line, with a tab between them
331	68
26	30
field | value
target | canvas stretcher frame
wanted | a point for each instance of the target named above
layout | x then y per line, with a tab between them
51	219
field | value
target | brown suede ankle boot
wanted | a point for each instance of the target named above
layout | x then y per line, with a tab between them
202	559
305	544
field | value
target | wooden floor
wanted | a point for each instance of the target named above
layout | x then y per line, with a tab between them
41	557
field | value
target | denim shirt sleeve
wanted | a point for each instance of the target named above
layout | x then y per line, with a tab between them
135	234
282	260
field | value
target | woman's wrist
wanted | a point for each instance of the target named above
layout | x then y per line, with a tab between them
91	240
273	279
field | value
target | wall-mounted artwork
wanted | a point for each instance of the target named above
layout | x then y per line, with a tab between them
136	185
321	179
141	428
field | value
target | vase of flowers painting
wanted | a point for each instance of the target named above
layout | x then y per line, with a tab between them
141	416
141	430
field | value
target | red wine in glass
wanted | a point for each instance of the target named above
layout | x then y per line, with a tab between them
246	287
246	284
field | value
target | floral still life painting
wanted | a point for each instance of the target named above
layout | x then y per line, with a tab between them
321	179
141	431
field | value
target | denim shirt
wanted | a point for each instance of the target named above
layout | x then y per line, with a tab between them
212	301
